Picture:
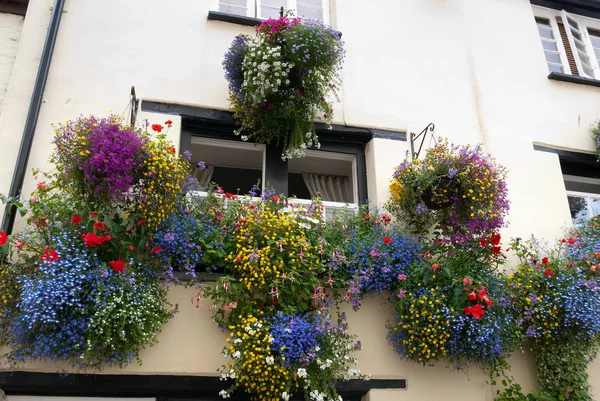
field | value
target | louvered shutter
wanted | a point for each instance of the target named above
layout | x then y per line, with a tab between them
237	7
549	45
576	38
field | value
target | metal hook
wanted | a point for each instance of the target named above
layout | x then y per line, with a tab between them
413	137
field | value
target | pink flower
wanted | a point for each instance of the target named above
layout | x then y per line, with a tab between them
401	276
401	293
374	253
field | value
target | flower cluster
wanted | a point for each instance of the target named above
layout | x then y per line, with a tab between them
452	303
555	292
75	309
280	79
458	190
83	284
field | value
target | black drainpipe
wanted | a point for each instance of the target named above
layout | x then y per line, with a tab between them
16	185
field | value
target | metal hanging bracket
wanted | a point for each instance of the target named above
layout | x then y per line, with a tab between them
413	137
134	104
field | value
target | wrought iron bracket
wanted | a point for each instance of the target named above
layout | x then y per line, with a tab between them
134	105
413	137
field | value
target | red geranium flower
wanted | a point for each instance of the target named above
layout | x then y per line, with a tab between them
76	219
93	215
549	273
487	301
276	198
483	242
387	239
168	123
472	296
171	149
49	255
99	225
20	244
476	311
496	238
482	293
157	127
435	266
545	261
466	281
93	240
496	249
117	265
156	249
229	195
3	238
571	241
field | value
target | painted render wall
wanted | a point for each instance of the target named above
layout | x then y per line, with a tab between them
10	33
473	67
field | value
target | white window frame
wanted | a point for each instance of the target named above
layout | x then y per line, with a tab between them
329	205
585	195
253	8
585	23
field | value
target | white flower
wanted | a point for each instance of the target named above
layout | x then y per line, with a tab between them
317	348
236	354
269	360
301	372
285	396
224	394
237	340
287	330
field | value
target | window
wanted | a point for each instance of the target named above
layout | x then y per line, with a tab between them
237	166
315	9
583	194
571	43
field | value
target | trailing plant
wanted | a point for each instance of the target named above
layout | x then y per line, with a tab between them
280	81
458	191
452	304
557	296
81	282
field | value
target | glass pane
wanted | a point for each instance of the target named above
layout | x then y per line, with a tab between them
576	34
578	207
314	3
310	12
597	53
274	3
545	31
268	12
595	206
549	45
232	10
555	68
552	57
595	41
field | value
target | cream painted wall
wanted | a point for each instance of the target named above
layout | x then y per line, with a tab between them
473	67
10	34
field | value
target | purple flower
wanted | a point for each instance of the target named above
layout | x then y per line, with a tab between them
421	208
452	172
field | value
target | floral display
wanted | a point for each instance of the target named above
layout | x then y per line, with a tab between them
556	294
457	190
280	81
82	281
452	304
282	279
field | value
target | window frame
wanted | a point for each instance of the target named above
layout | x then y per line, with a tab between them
585	24
253	9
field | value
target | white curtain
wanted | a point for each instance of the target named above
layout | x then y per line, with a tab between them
328	187
203	176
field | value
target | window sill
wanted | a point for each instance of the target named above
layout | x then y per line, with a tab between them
238	19
557	76
232	18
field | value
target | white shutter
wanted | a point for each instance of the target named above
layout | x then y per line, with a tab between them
578	44
237	7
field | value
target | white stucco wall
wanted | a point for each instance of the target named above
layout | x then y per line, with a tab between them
10	33
473	67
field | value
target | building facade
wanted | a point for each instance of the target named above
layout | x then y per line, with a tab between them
520	77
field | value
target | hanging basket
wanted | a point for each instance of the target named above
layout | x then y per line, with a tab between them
442	194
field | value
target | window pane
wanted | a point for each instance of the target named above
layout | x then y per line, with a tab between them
231	164
552	58
232	10
545	30
595	40
555	68
595	206
549	45
268	12
274	3
578	207
330	175
314	3
310	12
